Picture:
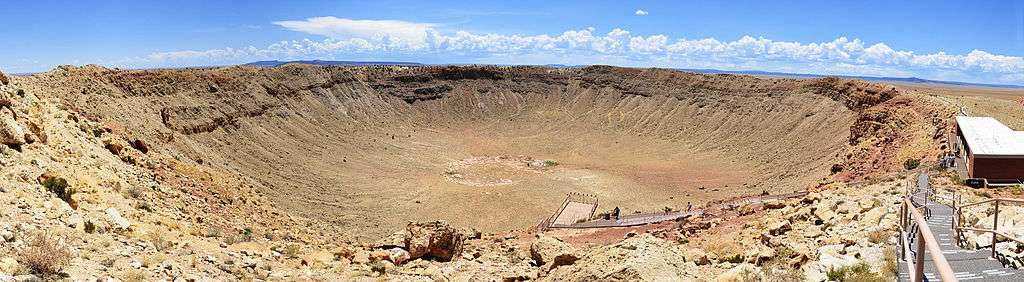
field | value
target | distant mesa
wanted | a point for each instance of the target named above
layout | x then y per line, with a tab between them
869	78
331	63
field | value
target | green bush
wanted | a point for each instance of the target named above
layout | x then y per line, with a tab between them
738	258
59	186
857	272
911	164
955	177
1017	189
836	168
836	274
90	227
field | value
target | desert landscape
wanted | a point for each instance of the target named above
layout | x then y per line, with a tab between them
332	173
366	150
726	141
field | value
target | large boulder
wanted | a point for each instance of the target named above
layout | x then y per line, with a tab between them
874	216
11	133
778	226
398	255
551	252
697	256
759	253
826	215
848	207
436	240
117	221
775	204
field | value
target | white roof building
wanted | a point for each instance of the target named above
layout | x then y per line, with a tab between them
987	136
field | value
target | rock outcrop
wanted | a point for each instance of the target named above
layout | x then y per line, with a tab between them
434	240
551	252
640	258
11	132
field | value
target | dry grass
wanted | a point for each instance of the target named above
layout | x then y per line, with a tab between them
159	241
878	236
725	250
292	250
778	269
46	255
134	275
152	260
890	267
859	272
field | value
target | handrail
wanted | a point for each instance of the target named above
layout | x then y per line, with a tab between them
978	203
546	223
1007	236
959	222
925	239
912	222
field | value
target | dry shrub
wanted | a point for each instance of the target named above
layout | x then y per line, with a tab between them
158	241
726	250
134	275
878	236
46	255
778	268
212	231
890	267
292	250
859	272
152	259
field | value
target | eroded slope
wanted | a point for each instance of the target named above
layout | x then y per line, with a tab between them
366	149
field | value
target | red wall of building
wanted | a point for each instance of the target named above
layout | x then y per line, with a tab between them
997	167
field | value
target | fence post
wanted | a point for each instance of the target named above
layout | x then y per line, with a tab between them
995	227
952	223
919	265
903	229
956	224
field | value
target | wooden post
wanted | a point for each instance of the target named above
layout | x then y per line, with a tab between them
995	227
919	265
956	223
903	229
956	216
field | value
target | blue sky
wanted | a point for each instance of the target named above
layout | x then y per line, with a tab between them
974	41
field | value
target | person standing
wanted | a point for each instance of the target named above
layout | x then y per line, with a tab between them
616	213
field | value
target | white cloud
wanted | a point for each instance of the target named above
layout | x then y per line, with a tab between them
382	39
395	33
640	13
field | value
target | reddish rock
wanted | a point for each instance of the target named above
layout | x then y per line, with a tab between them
436	240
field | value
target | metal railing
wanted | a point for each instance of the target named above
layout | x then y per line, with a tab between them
912	222
546	223
958	221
